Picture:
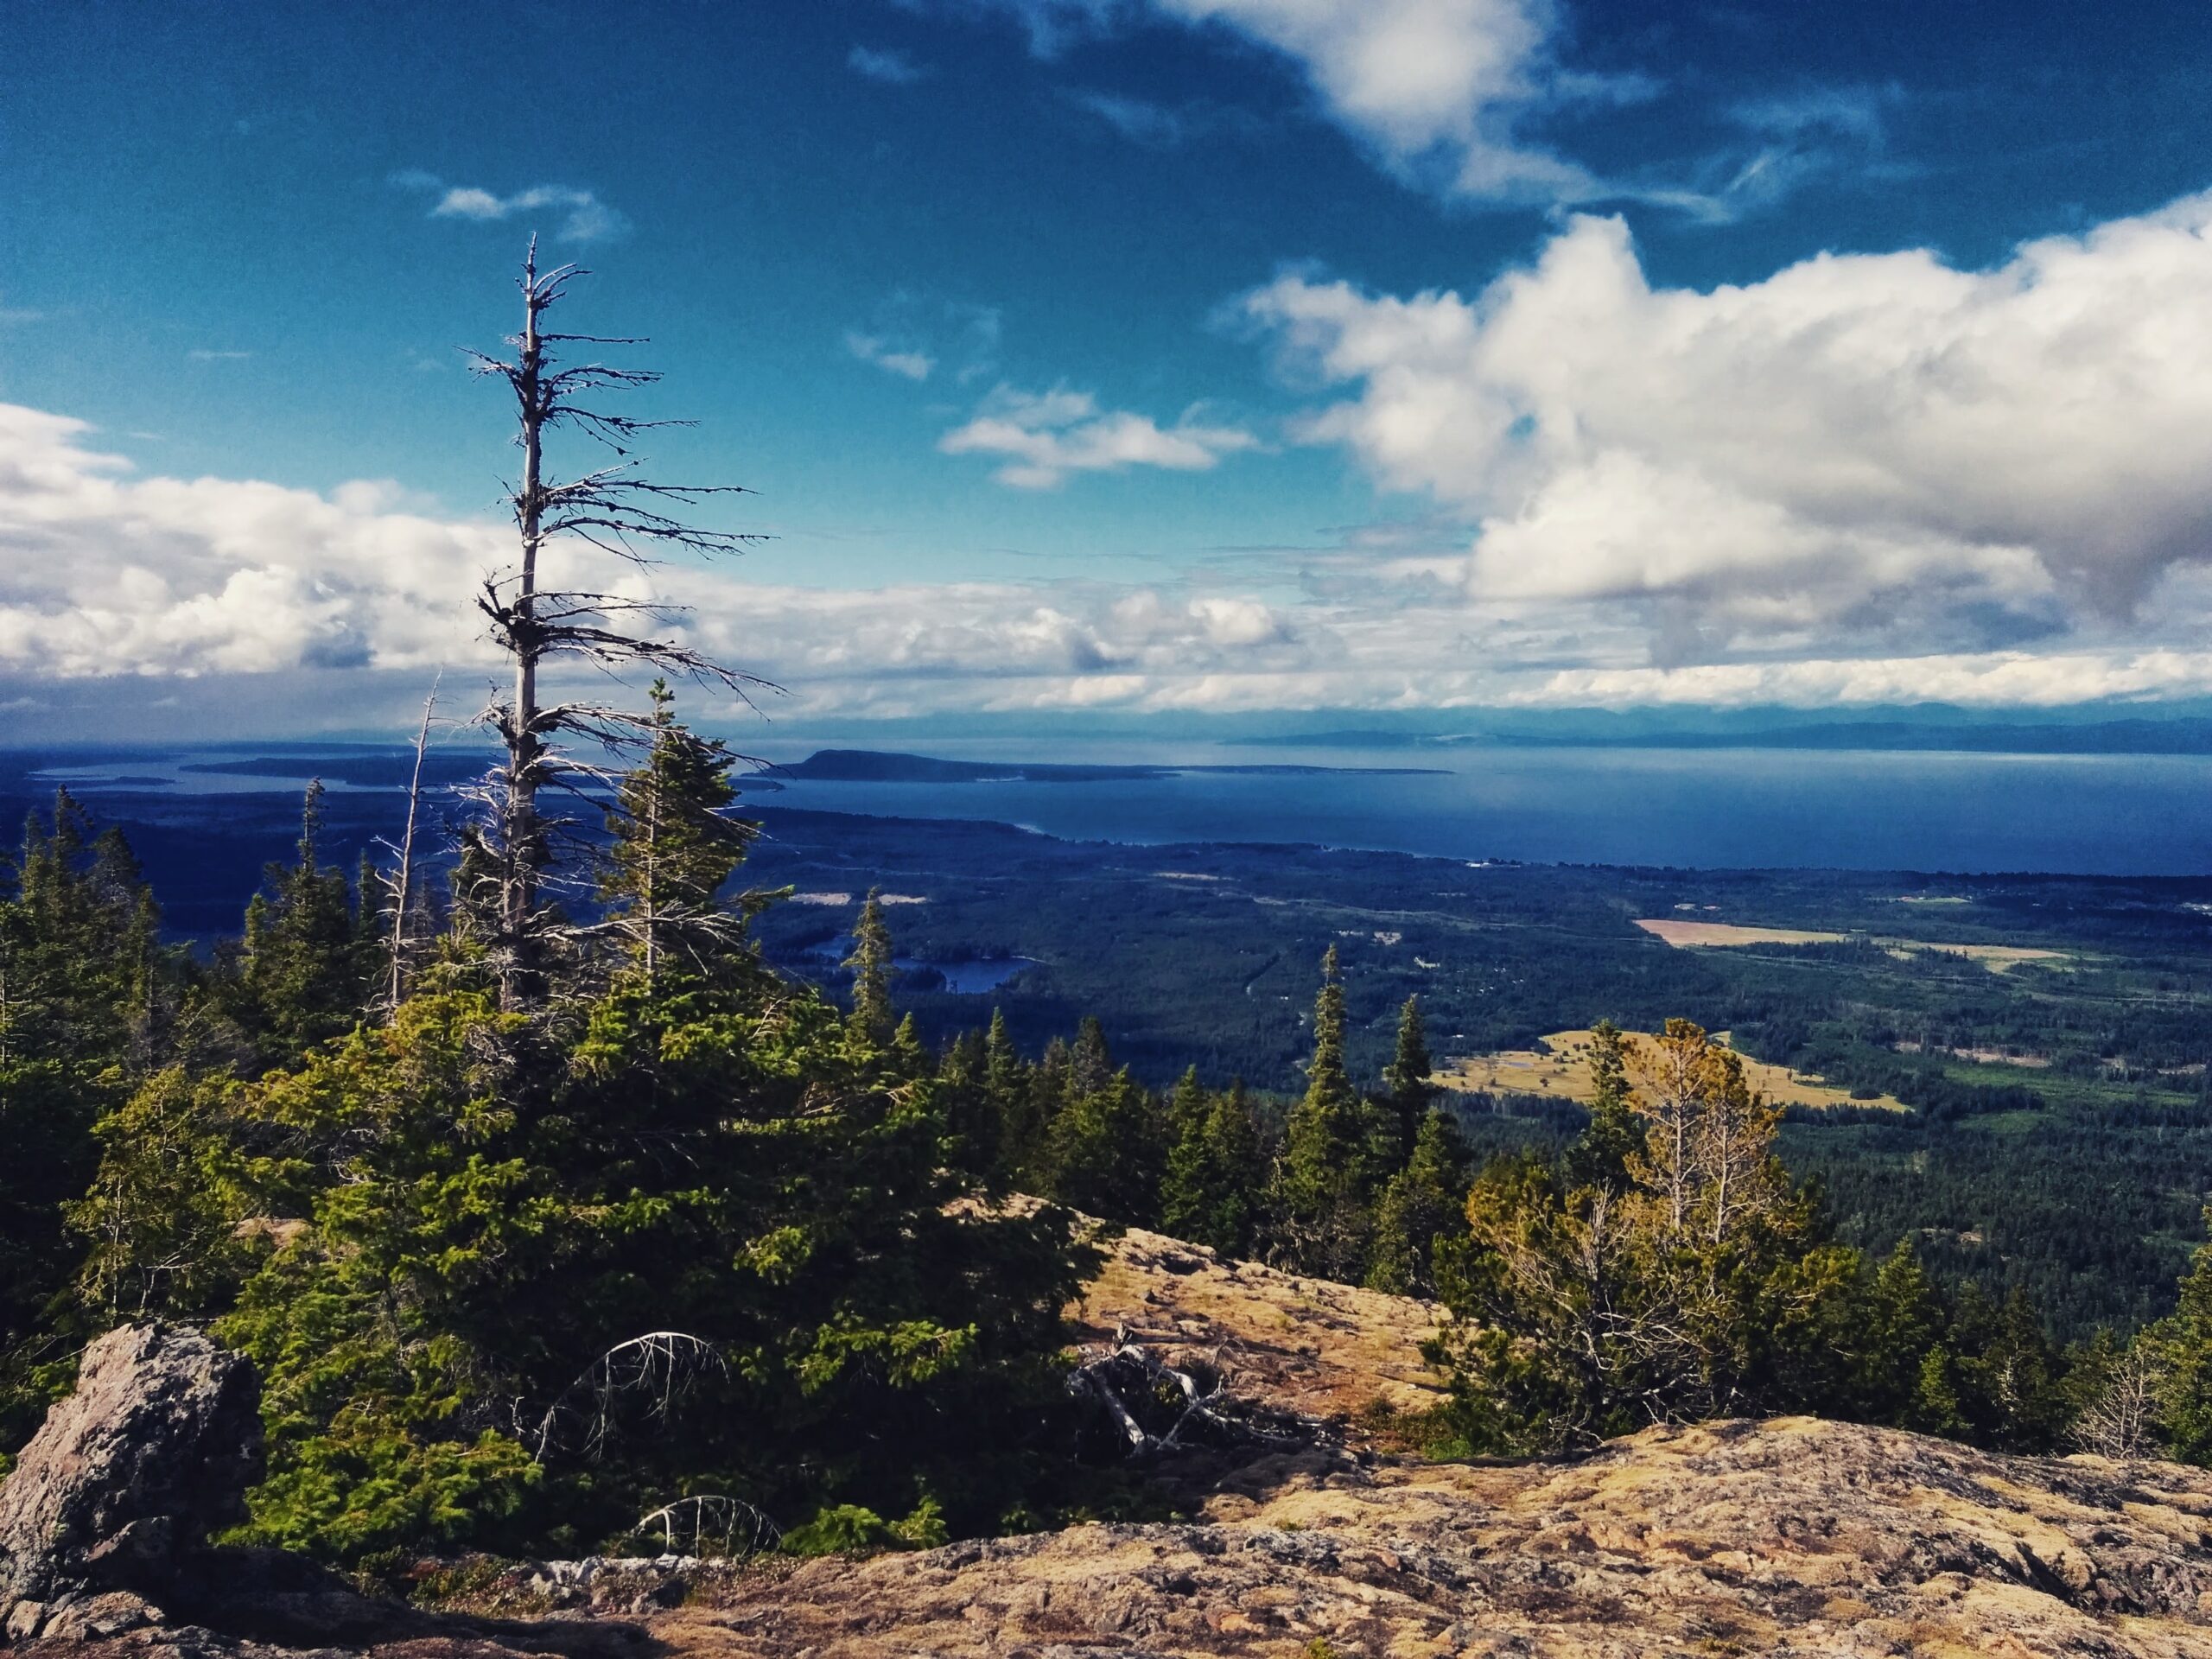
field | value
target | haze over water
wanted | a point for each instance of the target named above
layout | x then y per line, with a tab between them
2107	815
1713	809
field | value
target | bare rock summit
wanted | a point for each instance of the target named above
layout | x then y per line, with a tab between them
129	1474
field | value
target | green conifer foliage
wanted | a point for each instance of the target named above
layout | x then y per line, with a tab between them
1601	1154
869	1026
304	967
1406	1082
1186	1190
673	846
1422	1207
1106	1149
83	989
1324	1181
705	1200
2186	1341
1702	1287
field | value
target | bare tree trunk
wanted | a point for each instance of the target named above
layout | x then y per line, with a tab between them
618	512
519	896
403	883
652	886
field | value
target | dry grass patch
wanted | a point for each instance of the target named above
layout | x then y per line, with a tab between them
1560	1068
1724	936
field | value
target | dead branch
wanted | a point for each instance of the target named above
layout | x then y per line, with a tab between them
661	1365
1154	1407
710	1524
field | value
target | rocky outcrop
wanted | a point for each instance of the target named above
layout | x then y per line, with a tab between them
155	1450
1791	1537
1305	1347
105	1526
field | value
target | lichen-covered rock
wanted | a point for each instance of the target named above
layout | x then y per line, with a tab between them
128	1475
1793	1537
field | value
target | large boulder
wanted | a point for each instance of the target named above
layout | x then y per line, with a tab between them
127	1478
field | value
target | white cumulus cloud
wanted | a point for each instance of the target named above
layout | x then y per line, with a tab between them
909	364
1875	452
582	216
1044	436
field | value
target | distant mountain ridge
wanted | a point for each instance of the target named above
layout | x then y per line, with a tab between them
879	766
2106	737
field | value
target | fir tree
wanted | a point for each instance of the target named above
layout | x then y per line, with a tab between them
304	965
672	847
1406	1081
1600	1156
1423	1203
869	1024
1322	1182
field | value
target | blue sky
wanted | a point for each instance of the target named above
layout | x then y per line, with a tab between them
1133	354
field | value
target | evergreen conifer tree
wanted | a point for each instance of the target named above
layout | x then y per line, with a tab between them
1406	1081
1187	1190
1321	1188
869	1024
1424	1203
1599	1156
304	965
81	982
672	847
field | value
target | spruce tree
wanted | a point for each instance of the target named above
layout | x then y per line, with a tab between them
672	846
82	981
1424	1204
1600	1156
869	1027
1233	1154
1406	1081
1322	1182
1091	1063
1186	1191
304	964
1106	1151
1016	1100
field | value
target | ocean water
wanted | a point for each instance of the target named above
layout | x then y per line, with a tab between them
2110	815
2113	815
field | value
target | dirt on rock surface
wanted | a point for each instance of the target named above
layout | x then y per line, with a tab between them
1789	1537
1323	1351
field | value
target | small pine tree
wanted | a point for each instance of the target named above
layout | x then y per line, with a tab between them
672	847
1321	1184
1406	1081
869	1024
1600	1156
1424	1203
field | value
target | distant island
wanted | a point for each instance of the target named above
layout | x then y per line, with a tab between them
876	767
